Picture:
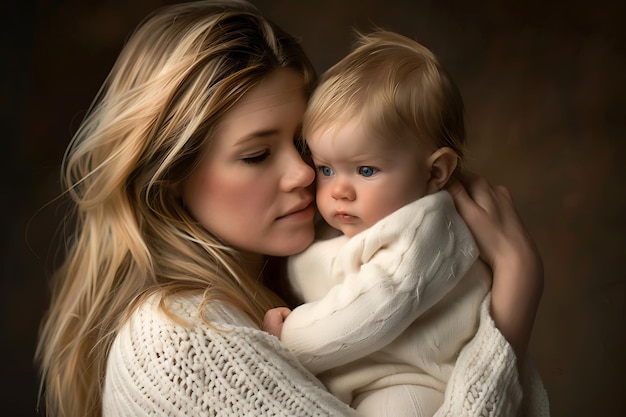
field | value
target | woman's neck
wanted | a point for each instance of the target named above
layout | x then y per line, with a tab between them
253	263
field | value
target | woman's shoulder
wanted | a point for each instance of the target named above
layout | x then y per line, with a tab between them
183	317
188	309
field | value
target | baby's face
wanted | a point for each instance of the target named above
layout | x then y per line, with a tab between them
362	177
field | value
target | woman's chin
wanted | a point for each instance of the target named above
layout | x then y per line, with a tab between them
294	244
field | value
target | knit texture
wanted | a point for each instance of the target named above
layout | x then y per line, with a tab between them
485	380
399	304
362	292
157	367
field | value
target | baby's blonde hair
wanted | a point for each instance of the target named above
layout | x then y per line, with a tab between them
181	71
394	86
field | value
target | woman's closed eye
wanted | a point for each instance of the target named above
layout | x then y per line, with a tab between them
256	158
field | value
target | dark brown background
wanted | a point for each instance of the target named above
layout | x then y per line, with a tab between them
544	89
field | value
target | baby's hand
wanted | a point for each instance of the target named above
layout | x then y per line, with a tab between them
274	319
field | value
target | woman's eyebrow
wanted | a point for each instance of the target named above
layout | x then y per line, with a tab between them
257	134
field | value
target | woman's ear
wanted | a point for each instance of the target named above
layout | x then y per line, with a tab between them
442	164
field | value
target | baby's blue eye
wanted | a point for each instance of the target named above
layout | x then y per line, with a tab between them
326	171
367	171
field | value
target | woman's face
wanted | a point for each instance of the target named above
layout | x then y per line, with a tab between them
252	188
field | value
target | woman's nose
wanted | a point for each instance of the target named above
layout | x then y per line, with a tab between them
299	174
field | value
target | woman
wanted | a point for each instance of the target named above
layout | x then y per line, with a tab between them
187	178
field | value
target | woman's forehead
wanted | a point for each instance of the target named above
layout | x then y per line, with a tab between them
272	107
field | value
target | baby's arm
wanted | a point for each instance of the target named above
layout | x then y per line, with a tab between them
274	319
386	277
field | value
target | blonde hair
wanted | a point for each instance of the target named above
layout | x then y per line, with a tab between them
179	73
396	87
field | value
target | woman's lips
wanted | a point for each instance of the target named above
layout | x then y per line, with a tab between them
304	213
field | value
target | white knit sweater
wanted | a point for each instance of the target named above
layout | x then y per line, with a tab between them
158	366
393	305
399	302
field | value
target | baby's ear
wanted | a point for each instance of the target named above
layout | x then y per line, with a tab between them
442	164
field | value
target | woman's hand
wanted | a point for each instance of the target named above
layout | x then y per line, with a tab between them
508	249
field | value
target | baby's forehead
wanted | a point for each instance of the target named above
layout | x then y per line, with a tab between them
354	141
343	122
358	128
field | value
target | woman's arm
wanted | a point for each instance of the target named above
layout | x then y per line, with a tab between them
506	246
160	367
486	378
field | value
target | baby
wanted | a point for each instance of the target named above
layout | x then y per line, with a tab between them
389	304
